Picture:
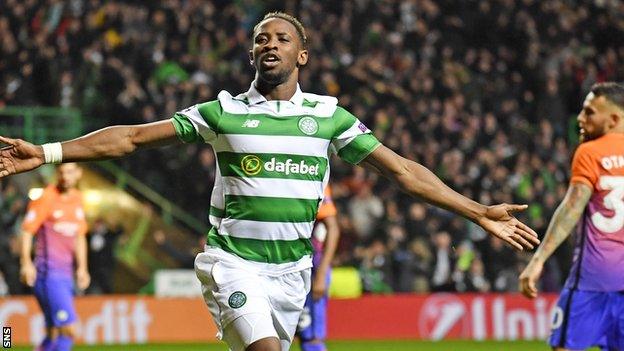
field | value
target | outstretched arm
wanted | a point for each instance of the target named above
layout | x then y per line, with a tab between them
112	142
418	181
565	218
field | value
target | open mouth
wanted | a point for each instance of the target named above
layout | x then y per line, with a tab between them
270	60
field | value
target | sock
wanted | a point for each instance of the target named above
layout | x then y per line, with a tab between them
317	346
47	344
64	343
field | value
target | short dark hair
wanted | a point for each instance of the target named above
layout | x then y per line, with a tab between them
290	19
612	91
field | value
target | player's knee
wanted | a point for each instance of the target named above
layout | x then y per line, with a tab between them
52	333
252	332
265	344
67	330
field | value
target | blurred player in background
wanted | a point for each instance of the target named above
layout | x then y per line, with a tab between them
272	145
325	235
590	310
57	221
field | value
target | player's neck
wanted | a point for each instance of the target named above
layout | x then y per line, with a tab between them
619	130
283	91
63	190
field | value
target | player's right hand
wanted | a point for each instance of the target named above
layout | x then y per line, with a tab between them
19	156
319	286
529	278
28	274
83	279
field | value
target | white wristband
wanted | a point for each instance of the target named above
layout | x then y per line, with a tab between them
53	152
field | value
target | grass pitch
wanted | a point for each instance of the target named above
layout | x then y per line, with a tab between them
360	345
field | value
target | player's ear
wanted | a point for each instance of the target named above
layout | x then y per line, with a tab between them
616	119
251	57
302	59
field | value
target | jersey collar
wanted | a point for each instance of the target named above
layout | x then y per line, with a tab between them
254	97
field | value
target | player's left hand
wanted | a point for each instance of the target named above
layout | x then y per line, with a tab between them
499	221
319	286
83	279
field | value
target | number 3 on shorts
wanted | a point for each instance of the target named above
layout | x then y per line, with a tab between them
614	201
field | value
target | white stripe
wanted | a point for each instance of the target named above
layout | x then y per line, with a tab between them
265	230
292	145
348	135
325	107
198	122
273	187
205	262
216	199
231	105
215	221
339	144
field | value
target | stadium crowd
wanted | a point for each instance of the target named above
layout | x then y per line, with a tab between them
483	92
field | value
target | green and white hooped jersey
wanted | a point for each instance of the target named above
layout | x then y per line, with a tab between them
272	167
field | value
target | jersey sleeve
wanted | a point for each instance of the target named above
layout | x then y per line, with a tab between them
37	212
352	140
328	208
584	167
198	123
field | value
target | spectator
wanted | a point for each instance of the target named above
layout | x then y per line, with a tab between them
102	263
476	280
12	205
365	210
184	257
444	263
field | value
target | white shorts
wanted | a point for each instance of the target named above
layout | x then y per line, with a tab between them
260	305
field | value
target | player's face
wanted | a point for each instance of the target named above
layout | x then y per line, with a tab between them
594	118
68	175
277	51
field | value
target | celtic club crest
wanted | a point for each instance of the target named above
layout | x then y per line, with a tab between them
237	299
308	125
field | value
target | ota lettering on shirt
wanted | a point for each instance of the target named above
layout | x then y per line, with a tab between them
614	161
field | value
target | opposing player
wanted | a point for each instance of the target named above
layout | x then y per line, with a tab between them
590	310
313	321
57	221
272	145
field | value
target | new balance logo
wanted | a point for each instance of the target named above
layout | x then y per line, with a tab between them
251	123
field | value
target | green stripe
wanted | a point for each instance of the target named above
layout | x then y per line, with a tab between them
281	166
360	147
217	212
268	251
343	120
211	112
184	129
270	209
273	125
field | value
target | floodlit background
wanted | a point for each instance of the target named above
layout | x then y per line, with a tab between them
485	93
